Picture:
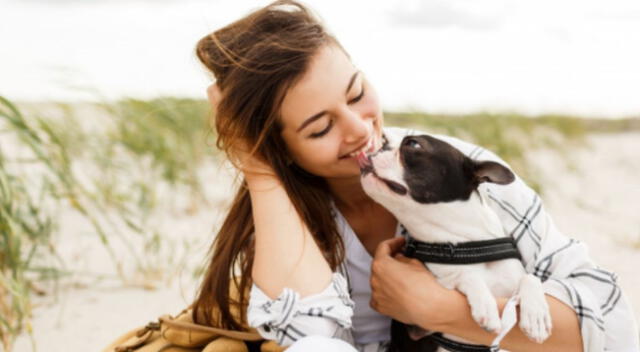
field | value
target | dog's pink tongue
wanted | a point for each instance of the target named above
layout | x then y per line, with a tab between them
363	160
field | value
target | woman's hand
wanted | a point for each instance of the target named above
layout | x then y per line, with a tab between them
254	169
403	288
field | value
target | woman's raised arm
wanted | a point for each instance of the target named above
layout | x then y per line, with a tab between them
285	253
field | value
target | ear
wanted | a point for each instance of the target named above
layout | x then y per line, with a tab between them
490	171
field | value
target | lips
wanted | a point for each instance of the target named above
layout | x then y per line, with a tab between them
367	147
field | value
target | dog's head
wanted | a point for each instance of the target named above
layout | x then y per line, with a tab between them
425	170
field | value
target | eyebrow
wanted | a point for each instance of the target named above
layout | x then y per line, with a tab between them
321	113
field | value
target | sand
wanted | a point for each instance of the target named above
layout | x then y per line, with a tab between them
593	198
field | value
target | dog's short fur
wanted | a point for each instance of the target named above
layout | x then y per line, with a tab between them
432	189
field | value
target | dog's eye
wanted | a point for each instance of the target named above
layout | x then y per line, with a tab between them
412	143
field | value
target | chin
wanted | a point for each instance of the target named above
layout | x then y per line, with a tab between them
342	169
353	170
344	173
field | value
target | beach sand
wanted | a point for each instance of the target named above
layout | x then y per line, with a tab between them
592	193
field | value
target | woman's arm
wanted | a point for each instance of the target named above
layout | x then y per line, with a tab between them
285	253
405	290
565	337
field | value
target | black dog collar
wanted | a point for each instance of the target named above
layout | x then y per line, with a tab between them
462	253
472	252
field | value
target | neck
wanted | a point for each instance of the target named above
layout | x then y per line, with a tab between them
458	221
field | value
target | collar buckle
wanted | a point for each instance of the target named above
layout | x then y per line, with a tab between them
451	248
410	249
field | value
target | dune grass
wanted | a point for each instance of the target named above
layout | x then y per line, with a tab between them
169	130
109	171
116	163
25	231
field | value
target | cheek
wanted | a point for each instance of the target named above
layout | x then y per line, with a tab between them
316	154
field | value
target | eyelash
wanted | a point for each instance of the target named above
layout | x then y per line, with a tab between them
323	132
326	130
357	99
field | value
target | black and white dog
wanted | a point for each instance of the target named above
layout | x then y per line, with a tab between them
433	190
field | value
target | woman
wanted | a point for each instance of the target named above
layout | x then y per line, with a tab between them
291	113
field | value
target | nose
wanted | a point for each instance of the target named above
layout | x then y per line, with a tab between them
356	127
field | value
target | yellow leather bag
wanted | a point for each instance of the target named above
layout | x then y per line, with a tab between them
182	334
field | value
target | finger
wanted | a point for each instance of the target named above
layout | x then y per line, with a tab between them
389	247
401	258
410	261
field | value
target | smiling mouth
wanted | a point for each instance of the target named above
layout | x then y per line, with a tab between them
369	147
366	167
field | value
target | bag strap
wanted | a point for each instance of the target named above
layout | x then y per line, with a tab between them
134	338
171	322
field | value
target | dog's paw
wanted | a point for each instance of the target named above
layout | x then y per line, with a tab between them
535	318
535	321
485	313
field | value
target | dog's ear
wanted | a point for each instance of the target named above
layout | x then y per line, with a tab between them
490	171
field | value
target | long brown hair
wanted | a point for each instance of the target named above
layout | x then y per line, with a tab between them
255	60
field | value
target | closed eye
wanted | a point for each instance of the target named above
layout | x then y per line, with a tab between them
357	99
323	132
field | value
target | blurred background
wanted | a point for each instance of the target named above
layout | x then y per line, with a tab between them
111	188
574	57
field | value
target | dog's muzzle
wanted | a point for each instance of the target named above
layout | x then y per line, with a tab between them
366	167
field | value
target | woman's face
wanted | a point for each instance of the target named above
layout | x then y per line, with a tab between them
329	115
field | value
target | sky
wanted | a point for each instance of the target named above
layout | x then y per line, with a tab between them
577	57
